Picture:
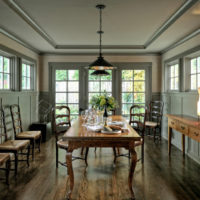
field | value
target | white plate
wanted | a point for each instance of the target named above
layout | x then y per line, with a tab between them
111	132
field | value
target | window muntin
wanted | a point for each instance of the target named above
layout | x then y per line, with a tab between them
27	77
5	74
133	90
174	77
67	90
99	84
195	73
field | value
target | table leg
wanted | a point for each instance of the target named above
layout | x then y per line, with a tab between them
169	140
183	144
131	172
70	172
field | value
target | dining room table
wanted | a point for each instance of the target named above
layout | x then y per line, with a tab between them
79	136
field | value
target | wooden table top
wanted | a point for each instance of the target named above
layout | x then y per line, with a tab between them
79	132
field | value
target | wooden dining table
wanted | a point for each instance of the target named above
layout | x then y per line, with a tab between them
78	136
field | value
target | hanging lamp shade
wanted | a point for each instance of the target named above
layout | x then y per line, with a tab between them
100	64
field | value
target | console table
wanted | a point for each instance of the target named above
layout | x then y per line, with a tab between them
187	126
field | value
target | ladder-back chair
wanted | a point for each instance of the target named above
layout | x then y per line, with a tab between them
5	160
33	136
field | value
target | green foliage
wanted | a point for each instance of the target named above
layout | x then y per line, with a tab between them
61	75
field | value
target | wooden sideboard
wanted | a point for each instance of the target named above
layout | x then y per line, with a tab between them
187	126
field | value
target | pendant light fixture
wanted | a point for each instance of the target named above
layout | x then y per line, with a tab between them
100	65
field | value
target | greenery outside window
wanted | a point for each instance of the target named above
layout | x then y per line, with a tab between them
174	77
27	77
5	73
195	73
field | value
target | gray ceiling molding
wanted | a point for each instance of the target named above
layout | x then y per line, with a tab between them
188	4
17	39
97	47
182	40
23	14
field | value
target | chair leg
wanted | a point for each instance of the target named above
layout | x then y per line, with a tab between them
82	149
27	156
56	155
154	134
33	149
7	171
142	152
86	155
16	163
115	154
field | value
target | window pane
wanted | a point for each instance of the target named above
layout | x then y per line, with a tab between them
94	86
73	86
193	82
127	97
61	75
127	74
23	83
61	86
198	64
61	98
91	77
198	80
73	75
127	86
176	83
73	97
6	81
172	71
139	86
6	65
1	81
106	86
193	66
1	64
28	71
23	70
28	82
139	98
73	108
126	109
172	84
108	77
139	74
176	70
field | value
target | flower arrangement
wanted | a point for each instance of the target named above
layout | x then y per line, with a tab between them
103	101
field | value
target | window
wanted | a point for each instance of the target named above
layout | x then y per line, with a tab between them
67	90
27	77
99	84
133	89
195	73
5	74
174	77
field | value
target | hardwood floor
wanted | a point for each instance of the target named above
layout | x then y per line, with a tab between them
160	178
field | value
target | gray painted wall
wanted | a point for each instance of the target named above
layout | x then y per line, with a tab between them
181	103
28	102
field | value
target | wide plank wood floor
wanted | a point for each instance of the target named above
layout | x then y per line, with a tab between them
160	178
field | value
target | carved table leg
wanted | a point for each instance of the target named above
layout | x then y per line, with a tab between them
70	172
183	144
169	140
131	172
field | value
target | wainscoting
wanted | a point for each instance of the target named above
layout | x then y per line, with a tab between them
181	103
28	102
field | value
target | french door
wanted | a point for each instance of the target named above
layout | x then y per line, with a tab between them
73	85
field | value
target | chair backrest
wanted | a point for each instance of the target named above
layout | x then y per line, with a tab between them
113	111
3	131
156	111
138	118
61	120
16	119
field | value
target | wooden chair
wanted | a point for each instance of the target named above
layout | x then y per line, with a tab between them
137	121
12	146
33	136
155	114
61	122
5	159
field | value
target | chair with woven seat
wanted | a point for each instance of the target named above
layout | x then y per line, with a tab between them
61	123
154	121
17	147
137	121
33	136
5	159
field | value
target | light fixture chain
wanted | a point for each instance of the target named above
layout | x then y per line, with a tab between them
100	31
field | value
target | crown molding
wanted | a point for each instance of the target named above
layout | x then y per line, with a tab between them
17	39
26	17
182	40
188	4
